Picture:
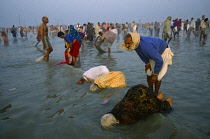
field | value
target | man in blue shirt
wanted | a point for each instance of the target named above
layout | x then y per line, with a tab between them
148	49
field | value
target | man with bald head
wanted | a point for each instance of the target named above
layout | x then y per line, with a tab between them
43	36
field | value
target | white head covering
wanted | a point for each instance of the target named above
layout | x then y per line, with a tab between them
108	120
136	42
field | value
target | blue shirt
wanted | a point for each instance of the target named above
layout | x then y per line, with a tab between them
151	48
69	38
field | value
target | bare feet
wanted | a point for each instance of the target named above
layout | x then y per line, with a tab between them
169	101
160	96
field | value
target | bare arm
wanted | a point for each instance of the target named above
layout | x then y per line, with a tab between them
100	42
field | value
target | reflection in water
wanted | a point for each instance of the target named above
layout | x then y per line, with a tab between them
5	109
57	112
108	93
71	117
6	118
202	43
52	96
59	99
48	109
105	59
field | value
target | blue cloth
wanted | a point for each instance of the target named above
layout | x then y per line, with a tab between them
73	32
151	48
69	38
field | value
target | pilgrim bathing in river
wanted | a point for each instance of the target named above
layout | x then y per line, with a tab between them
154	52
93	73
72	44
43	36
103	78
108	36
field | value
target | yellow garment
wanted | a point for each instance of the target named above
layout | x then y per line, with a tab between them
114	79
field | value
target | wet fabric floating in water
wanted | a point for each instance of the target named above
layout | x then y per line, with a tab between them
105	101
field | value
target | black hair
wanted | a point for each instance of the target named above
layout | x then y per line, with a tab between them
100	32
60	33
206	19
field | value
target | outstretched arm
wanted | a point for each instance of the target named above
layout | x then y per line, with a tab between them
99	43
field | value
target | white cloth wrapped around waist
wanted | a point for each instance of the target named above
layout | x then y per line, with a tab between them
167	60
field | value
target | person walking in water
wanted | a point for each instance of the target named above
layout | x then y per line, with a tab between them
167	30
192	27
14	31
43	35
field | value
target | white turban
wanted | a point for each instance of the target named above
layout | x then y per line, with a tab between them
136	42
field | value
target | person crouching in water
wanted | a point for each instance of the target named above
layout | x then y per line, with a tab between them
138	103
102	78
93	73
72	44
109	36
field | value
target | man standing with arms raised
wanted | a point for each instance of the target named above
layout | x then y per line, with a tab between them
43	36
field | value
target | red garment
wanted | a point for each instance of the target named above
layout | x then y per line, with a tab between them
179	23
66	57
75	49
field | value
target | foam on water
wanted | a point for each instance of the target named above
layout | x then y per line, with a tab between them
40	59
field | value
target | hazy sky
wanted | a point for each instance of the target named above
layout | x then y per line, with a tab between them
30	12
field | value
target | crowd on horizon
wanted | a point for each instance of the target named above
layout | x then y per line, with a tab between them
176	26
91	30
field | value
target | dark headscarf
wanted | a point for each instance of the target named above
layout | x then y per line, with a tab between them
74	33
